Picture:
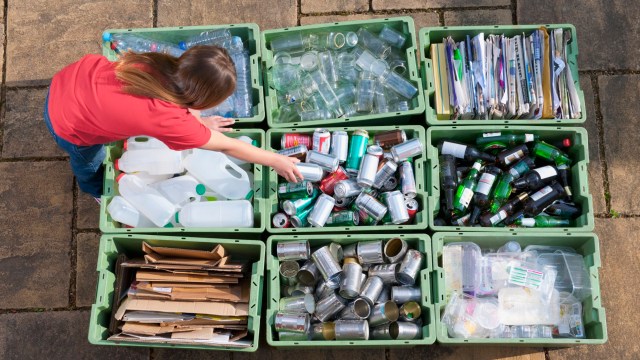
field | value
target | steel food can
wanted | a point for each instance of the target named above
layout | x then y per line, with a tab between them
352	330
298	304
323	289
405	330
386	272
328	184
351	279
300	220
293	250
388	139
330	306
371	206
294	139
292	336
308	274
406	150
323	331
407	180
340	145
328	163
395	249
370	252
386	169
384	313
281	221
358	309
368	169
288	271
371	289
321	211
376	151
298	152
404	294
303	189
410	267
397	207
384	295
410	311
298	323
321	141
357	149
343	218
328	266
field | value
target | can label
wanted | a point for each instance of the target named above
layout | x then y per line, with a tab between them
485	183
343	218
322	141
292	140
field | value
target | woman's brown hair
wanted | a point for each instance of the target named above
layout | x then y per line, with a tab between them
199	79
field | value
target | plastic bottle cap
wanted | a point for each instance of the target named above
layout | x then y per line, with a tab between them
113	46
106	36
249	195
169	225
182	45
254	143
177	218
119	177
566	142
116	164
125	145
201	189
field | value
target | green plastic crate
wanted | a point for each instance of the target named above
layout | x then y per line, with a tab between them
110	189
586	244
579	153
403	24
418	242
434	35
419	163
131	245
250	34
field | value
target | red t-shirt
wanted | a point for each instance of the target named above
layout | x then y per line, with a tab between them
87	107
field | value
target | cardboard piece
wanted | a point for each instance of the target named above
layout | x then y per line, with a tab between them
216	254
145	275
200	334
233	293
190	307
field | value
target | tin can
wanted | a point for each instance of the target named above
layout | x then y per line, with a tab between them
288	271
299	152
371	206
371	289
412	207
281	221
344	202
405	330
303	189
384	313
310	172
382	332
323	331
321	140
395	249
298	304
340	145
336	251
308	274
410	311
358	309
323	289
410	267
388	139
386	169
370	252
298	289
397	207
328	266
343	218
404	294
328	184
386	272
330	306
293	139
328	163
300	220
408	180
391	184
292	336
406	150
293	250
368	169
298	323
351	277
352	330
384	295
357	149
376	151
346	188
321	211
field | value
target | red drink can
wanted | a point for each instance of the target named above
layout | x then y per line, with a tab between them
412	208
281	220
322	140
291	140
328	183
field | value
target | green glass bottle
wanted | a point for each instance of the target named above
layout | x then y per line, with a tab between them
549	152
506	139
466	189
501	193
541	221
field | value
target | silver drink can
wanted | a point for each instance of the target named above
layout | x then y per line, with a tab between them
391	184
410	267
340	145
351	279
298	304
407	149
330	306
395	249
327	162
298	323
288	271
310	172
358	309
372	289
386	170
370	252
404	294
350	250
352	330
397	207
375	150
384	295
292	336
321	211
408	180
405	330
386	272
293	250
308	274
410	311
371	206
344	202
346	189
368	169
328	266
383	313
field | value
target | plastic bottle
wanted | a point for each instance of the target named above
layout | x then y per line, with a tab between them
151	161
243	96
146	199
218	173
139	44
151	179
125	213
180	190
216	214
224	109
206	38
143	142
247	140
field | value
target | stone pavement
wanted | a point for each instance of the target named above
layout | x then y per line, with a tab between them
49	229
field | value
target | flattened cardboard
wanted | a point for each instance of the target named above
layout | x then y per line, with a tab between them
216	254
190	307
144	275
234	293
200	334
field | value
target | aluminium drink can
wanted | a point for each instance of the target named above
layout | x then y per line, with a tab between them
299	190
321	141
281	221
397	207
357	149
376	151
388	139
408	180
328	163
321	211
368	169
328	184
406	150
343	218
386	169
292	139
371	206
299	152
340	145
310	172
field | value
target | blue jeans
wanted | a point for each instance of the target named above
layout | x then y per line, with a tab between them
86	161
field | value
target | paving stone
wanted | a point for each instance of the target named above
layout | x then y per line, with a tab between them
24	126
596	181
87	245
271	353
620	258
420	19
56	335
35	228
314	6
88	215
428	4
43	37
607	30
267	14
478	17
467	352
620	108
176	354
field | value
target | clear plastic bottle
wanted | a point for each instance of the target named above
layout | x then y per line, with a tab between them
146	199
151	161
319	114
140	44
180	190
365	92
216	214
206	38
224	109
125	213
143	142
243	96
218	173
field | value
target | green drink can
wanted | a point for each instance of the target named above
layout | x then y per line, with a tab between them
300	190
300	220
364	218
296	206
357	149
344	218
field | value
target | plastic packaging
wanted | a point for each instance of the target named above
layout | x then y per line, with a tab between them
152	161
461	262
124	212
218	173
181	190
231	214
146	199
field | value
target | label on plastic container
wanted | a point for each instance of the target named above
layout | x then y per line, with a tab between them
466	197
457	150
546	172
541	193
529	278
485	183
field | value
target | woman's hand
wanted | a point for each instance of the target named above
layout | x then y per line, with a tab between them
285	167
218	123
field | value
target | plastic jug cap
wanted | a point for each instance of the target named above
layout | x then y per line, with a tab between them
182	45
116	164
201	189
177	217
106	36
249	195
125	145
119	177
169	225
